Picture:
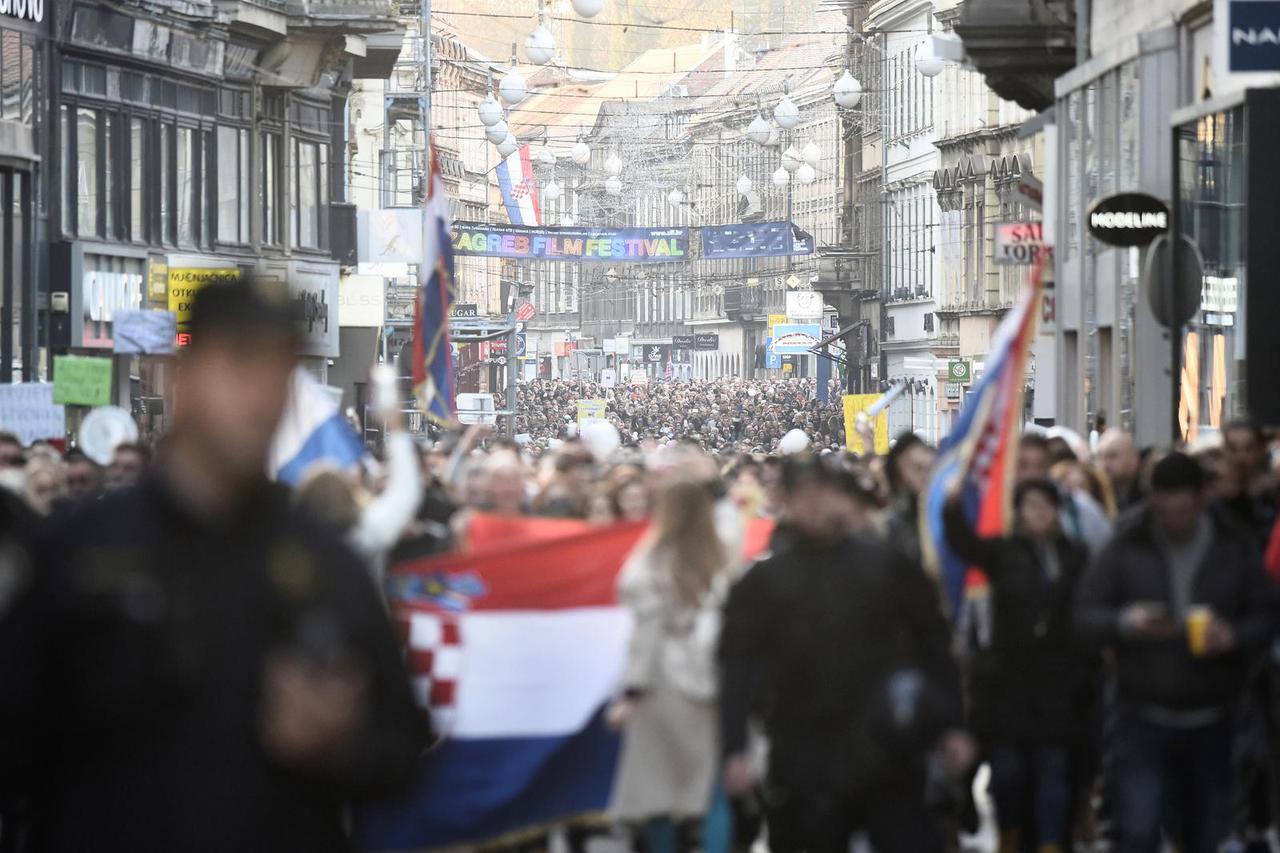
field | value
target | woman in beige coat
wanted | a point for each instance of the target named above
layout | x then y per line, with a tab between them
674	585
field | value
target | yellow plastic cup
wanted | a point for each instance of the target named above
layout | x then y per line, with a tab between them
1198	619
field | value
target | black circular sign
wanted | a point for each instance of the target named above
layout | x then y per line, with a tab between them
1128	219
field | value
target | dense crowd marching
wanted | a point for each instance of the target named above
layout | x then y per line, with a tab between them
1116	672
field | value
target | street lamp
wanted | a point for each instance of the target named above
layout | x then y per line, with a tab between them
759	130
552	191
540	46
847	91
806	174
791	159
613	186
781	177
581	153
811	153
744	185
928	62
613	164
508	146
676	197
513	89
588	8
490	111
786	113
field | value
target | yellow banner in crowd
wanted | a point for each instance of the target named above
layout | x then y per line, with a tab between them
853	405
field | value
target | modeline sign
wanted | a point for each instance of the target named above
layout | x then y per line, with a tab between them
633	245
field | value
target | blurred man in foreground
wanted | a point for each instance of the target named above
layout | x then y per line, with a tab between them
1180	596
191	666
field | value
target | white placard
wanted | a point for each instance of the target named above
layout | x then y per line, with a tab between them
804	306
145	332
27	410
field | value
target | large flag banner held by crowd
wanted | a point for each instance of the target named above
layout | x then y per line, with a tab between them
433	376
979	457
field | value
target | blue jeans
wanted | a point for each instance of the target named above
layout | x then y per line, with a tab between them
1176	779
1039	776
662	834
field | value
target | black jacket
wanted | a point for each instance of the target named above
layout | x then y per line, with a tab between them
1163	673
1034	684
811	636
131	671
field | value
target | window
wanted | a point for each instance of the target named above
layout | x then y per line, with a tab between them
166	183
86	192
270	188
109	192
308	196
137	152
10	75
186	185
233	185
68	133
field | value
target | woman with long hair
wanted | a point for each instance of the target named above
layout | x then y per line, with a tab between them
674	584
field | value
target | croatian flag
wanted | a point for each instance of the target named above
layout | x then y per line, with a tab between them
312	430
979	456
515	648
519	188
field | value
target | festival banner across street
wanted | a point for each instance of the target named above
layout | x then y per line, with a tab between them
604	245
754	240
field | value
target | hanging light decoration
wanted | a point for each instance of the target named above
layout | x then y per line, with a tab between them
497	131
744	185
847	91
490	111
781	177
775	136
759	130
508	146
513	89
676	197
786	113
791	159
588	8
551	191
545	155
613	165
811	153
613	186
581	153
806	174
928	62
540	46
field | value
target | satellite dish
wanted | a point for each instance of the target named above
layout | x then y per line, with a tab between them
104	429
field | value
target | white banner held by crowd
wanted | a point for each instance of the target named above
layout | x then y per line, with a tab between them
27	410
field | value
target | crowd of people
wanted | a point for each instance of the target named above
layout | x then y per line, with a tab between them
742	415
192	658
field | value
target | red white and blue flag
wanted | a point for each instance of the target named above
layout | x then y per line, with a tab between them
519	188
433	373
979	456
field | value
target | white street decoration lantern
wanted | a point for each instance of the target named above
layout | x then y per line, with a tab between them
847	91
552	191
811	153
581	153
588	8
928	62
759	130
613	165
490	111
508	146
791	159
513	89
781	177
546	156
497	131
539	46
744	185
806	174
613	186
786	113
775	137
676	197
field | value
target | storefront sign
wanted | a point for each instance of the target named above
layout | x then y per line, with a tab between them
634	245
145	332
795	338
466	310
361	301
754	240
28	10
959	370
706	341
682	341
1253	36
657	353
1128	219
185	282
774	320
81	380
102	294
27	410
804	306
1021	243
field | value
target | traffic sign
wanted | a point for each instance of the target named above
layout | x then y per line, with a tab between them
522	345
526	312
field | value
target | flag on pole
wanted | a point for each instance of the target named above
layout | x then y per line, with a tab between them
312	430
979	456
670	372
519	188
433	374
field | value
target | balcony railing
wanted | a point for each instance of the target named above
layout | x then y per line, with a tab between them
353	9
